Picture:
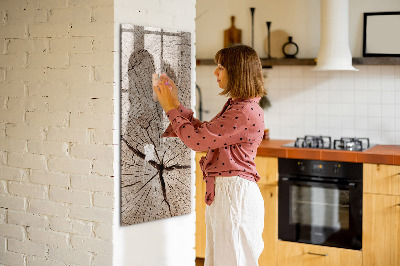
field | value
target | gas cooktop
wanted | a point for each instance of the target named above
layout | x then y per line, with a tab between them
325	142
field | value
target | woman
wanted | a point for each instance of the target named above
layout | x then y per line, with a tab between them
235	207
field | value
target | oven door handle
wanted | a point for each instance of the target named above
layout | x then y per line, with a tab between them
329	184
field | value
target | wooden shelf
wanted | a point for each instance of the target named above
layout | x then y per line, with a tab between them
376	61
268	62
288	62
312	61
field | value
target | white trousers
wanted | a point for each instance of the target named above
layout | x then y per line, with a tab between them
234	223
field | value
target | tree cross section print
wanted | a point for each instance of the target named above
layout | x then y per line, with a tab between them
155	171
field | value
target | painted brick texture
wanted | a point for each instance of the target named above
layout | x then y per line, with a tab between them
56	127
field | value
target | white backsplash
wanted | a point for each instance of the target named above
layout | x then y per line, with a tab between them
331	103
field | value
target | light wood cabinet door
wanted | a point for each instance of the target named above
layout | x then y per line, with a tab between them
298	254
267	168
381	230
270	233
381	179
200	209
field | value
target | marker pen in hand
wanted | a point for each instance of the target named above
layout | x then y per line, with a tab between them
155	79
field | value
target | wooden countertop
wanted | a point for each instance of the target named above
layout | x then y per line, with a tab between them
379	154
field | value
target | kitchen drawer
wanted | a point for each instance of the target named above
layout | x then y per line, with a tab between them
298	254
267	168
381	179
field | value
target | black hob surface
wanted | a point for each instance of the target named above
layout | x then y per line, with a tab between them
325	142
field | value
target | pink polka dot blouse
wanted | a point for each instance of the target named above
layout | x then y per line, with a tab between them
231	139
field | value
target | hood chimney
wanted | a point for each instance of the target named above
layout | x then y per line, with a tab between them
334	51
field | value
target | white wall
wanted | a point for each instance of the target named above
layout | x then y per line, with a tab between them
169	241
299	18
338	104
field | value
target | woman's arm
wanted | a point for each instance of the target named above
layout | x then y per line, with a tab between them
224	130
188	113
228	129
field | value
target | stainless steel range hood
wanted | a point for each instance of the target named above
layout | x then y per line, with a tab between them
334	52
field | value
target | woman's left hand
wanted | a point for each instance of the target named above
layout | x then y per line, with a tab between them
163	92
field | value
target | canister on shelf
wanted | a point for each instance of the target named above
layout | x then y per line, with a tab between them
266	134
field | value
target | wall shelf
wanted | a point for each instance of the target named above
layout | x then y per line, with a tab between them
312	61
376	61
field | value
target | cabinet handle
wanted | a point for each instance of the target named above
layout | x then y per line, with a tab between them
318	254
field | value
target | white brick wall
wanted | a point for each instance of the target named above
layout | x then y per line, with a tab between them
56	126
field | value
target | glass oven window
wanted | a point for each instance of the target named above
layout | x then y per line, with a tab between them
318	207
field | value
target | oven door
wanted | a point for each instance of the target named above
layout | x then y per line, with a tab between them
321	212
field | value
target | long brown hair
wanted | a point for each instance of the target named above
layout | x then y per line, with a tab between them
245	78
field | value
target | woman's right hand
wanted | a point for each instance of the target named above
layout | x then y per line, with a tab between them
174	89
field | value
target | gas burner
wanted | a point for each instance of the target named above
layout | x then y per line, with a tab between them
324	142
351	144
321	142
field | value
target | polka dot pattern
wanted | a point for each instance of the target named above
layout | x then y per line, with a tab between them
231	139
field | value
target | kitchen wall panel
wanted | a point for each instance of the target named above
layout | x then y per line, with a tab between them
338	104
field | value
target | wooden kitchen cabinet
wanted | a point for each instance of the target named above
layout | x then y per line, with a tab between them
270	233
267	167
298	254
381	215
200	209
381	179
381	230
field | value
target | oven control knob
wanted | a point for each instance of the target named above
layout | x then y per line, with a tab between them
302	167
336	169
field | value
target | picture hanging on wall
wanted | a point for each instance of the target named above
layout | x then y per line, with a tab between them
155	171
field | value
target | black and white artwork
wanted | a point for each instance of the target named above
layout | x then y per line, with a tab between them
155	171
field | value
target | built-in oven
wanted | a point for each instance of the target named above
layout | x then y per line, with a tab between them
320	202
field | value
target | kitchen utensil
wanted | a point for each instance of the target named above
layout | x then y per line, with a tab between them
232	35
269	38
252	9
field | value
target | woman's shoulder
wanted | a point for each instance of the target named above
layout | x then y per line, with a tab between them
249	108
248	104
